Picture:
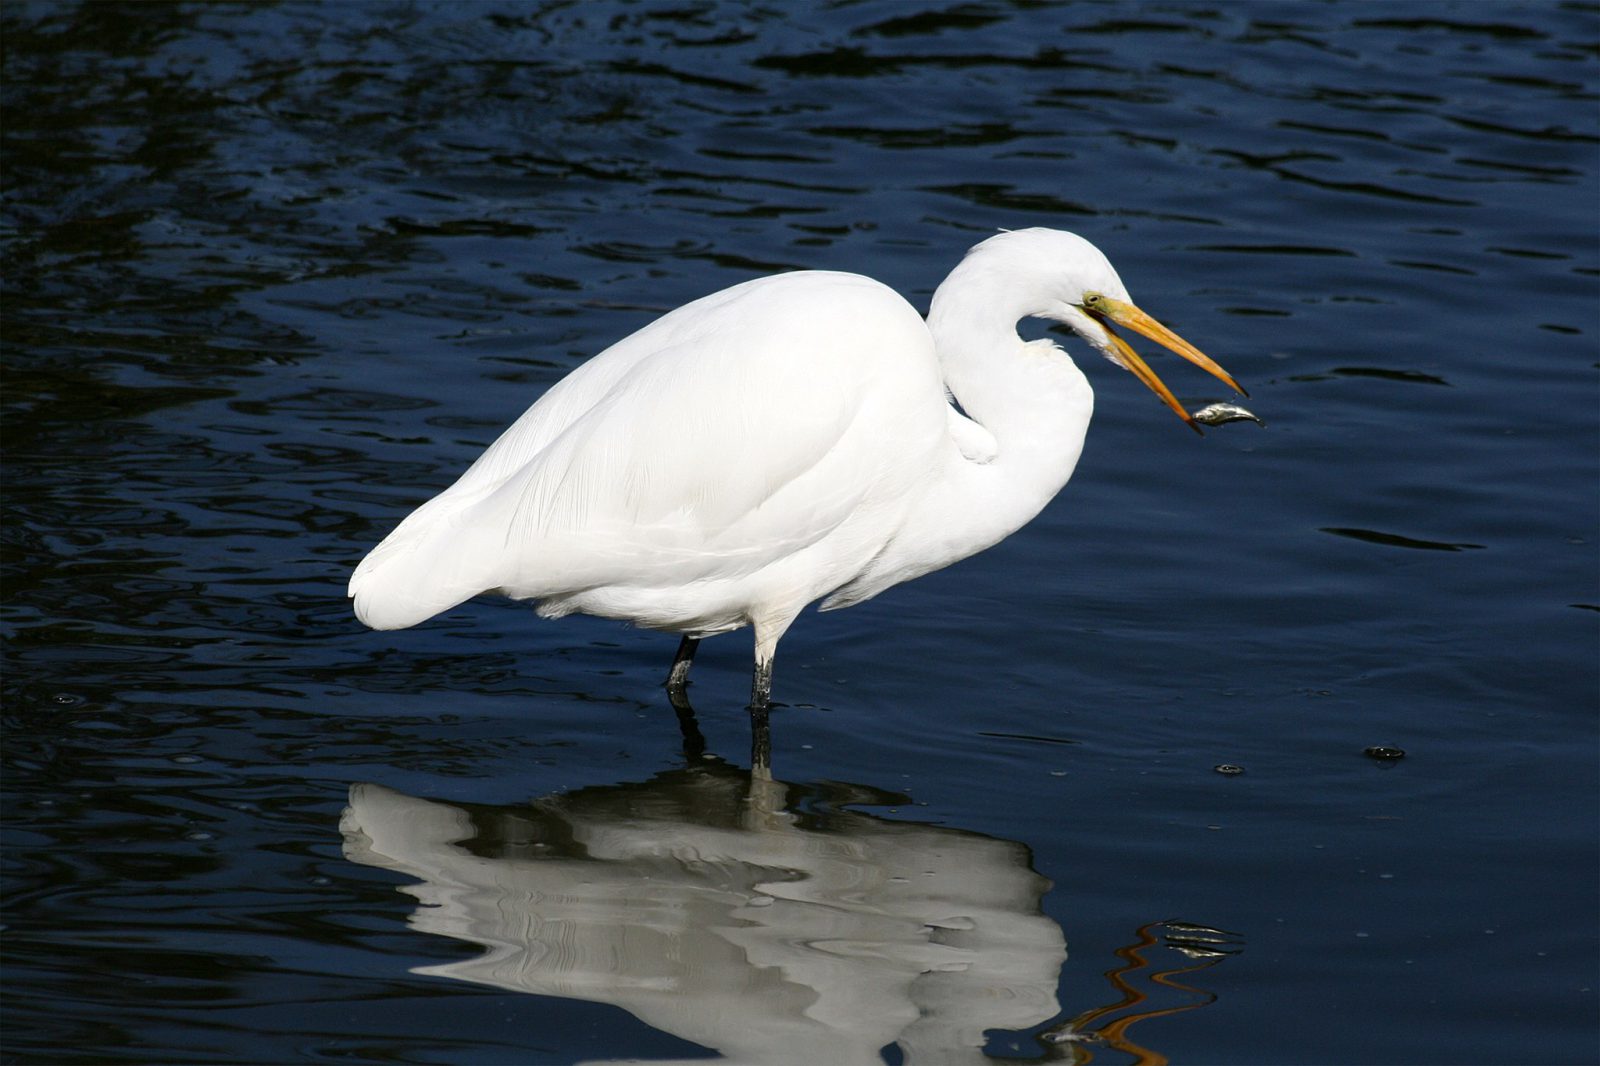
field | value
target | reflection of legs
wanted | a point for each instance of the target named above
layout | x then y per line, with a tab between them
760	743
694	742
678	679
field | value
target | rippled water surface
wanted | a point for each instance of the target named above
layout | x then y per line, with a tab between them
276	273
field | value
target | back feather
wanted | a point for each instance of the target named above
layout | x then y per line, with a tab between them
627	471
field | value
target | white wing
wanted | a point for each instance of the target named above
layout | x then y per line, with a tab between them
700	453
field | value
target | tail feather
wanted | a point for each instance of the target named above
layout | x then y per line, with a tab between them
421	569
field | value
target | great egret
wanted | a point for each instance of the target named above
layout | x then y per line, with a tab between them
789	439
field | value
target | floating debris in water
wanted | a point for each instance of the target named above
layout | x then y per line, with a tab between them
1218	413
1227	769
1378	751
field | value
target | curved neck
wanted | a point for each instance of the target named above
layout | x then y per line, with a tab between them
1029	395
973	318
1029	406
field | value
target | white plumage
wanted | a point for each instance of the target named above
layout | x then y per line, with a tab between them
782	441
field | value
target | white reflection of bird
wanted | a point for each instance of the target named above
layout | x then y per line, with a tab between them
702	903
782	441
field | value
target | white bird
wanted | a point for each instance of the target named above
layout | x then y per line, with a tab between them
798	437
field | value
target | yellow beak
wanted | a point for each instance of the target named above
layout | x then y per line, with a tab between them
1106	310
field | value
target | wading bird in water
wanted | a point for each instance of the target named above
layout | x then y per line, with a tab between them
800	437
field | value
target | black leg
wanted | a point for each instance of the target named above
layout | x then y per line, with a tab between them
761	685
678	679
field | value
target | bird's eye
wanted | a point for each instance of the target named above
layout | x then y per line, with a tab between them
1091	299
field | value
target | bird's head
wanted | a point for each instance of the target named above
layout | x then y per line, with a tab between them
1071	281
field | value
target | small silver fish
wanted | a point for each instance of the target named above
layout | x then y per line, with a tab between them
1218	413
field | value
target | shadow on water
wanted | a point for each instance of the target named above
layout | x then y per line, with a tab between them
768	921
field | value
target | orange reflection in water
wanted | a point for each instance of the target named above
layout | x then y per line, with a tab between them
1200	948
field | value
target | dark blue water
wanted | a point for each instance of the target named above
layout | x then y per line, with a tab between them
276	273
